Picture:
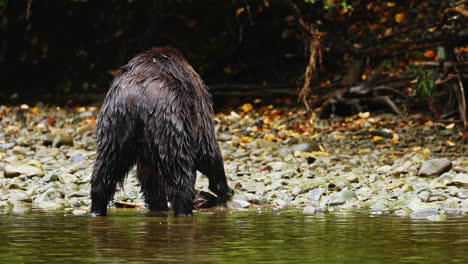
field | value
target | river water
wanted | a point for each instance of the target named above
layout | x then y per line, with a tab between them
268	236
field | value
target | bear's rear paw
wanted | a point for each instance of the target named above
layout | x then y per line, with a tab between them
94	214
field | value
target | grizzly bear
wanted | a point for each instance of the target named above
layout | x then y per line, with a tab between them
158	115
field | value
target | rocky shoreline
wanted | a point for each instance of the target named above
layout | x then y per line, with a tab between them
274	157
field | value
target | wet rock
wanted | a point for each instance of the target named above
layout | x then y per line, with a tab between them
435	167
402	212
19	167
86	128
424	213
461	180
19	195
309	210
463	194
417	205
307	146
384	169
296	191
280	203
79	212
74	159
224	137
48	205
261	143
5	146
341	197
424	196
20	207
446	177
79	194
315	194
50	177
67	178
241	203
393	185
62	139
47	139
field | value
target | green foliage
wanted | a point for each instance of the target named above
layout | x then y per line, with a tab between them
330	4
424	81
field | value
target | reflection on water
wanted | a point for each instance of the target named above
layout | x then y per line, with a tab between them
129	236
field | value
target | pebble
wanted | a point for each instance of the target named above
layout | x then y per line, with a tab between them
19	167
435	167
309	210
325	167
461	180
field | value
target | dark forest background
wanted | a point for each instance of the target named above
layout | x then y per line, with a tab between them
67	52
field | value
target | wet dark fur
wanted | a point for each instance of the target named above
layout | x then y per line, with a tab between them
158	115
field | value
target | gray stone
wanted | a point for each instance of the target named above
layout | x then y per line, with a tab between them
86	128
68	178
224	137
241	203
62	139
20	207
384	169
417	205
48	205
424	213
19	195
19	167
47	139
296	191
79	194
261	143
435	167
307	147
463	194
315	194
461	180
280	203
424	196
341	197
309	210
79	212
5	146
446	177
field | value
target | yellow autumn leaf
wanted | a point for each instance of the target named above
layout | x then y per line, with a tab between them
377	138
35	111
399	17
426	151
247	107
339	136
320	153
364	150
451	143
240	11
245	139
269	136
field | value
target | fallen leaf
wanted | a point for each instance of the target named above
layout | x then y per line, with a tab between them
247	107
399	17
429	54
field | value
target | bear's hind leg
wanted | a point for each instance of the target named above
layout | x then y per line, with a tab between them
181	189
109	170
152	187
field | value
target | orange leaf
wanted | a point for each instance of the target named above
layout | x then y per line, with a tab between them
247	107
35	111
429	54
399	17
